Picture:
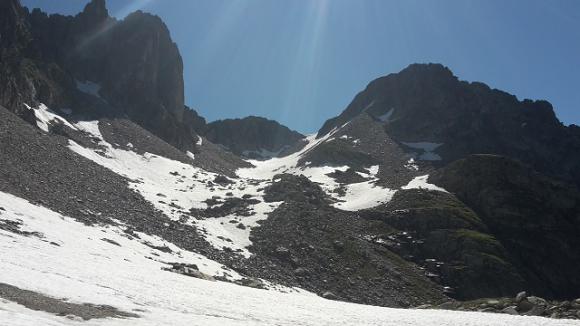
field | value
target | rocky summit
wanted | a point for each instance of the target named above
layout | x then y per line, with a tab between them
119	203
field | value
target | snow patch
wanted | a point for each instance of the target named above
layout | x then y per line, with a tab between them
421	183
46	117
428	149
89	87
364	195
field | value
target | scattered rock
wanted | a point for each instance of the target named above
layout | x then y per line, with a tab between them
251	282
188	270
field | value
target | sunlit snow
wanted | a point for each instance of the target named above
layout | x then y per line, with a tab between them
82	268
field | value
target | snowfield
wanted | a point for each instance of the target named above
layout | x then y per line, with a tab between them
69	260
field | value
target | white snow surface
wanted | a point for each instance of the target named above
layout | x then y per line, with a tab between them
420	182
174	188
86	269
45	117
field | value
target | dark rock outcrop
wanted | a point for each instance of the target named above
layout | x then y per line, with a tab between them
252	137
534	217
437	231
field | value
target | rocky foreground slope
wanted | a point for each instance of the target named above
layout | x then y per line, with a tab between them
134	207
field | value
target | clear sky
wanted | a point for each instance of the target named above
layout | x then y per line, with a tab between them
301	62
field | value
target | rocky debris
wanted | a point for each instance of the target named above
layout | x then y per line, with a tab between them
222	180
289	187
251	282
347	177
338	152
229	206
188	270
532	216
361	144
125	134
252	137
519	305
305	243
58	306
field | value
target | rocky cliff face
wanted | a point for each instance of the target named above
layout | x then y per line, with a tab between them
132	66
425	104
252	137
536	218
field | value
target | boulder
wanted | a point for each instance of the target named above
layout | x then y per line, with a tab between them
511	310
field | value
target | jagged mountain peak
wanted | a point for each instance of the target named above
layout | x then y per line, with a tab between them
426	105
96	11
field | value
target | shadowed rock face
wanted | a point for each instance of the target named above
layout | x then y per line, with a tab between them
534	217
427	103
441	234
134	62
253	137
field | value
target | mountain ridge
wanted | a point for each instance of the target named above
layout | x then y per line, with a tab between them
423	193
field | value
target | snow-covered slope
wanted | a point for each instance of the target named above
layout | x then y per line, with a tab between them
80	264
176	188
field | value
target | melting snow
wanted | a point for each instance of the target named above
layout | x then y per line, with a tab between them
428	149
175	188
264	153
85	269
421	183
45	117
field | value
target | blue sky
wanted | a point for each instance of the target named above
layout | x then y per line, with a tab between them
301	62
